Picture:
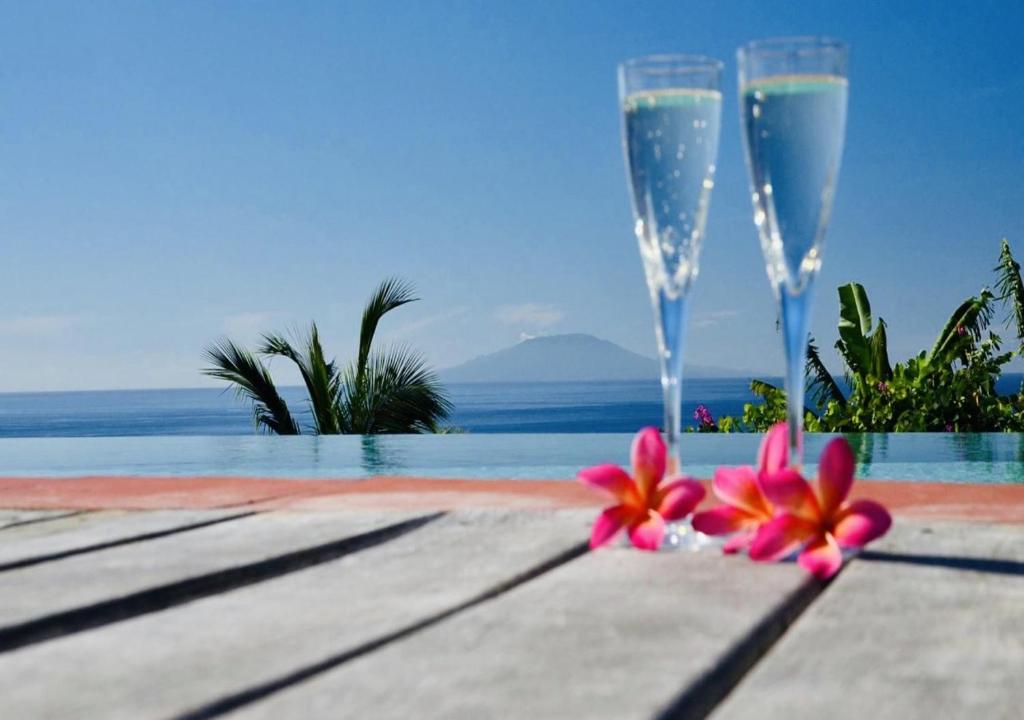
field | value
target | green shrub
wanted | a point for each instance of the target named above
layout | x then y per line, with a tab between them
951	387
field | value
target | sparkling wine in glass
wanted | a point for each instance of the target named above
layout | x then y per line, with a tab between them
793	115
671	112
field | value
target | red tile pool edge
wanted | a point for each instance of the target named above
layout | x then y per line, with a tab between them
932	500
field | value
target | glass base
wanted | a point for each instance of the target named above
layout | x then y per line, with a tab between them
680	536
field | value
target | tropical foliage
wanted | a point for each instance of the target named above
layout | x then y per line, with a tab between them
950	387
381	391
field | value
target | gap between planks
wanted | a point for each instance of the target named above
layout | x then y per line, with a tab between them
253	694
96	547
169	595
697	700
42	519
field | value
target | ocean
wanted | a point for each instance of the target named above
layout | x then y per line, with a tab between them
565	407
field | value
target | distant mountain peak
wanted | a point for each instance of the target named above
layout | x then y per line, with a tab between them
574	340
563	358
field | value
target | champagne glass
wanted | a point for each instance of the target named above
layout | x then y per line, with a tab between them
671	112
793	115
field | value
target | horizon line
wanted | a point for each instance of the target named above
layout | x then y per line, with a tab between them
743	377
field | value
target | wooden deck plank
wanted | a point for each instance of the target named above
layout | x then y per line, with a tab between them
170	662
615	634
17	518
27	544
54	587
930	625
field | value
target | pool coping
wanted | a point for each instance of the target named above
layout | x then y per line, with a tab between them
921	500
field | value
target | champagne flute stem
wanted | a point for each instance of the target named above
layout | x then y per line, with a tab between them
671	311
795	311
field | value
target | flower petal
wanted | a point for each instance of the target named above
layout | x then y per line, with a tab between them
647	535
722	520
835	475
789	492
677	499
737	543
860	522
648	458
611	479
608	524
773	455
822	558
737	486
778	538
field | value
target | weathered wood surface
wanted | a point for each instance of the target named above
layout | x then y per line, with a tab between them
34	592
615	634
16	518
168	663
930	624
496	613
67	534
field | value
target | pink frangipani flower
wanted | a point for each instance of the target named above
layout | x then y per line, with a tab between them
645	501
821	520
746	508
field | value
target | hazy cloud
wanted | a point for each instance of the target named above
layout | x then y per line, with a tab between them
534	315
38	326
423	323
251	325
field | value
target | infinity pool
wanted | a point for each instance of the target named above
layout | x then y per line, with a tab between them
950	457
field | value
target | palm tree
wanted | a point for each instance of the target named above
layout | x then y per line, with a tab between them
821	382
381	391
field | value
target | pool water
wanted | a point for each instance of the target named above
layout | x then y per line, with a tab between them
949	457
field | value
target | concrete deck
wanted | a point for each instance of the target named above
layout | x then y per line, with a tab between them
395	597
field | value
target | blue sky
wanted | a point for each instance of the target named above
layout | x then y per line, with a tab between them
171	172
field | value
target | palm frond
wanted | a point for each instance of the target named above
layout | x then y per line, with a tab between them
396	393
390	294
353	401
251	381
1011	289
320	377
822	384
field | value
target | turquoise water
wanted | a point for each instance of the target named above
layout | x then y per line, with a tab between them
985	458
542	430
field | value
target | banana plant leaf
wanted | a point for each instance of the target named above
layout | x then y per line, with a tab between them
963	328
865	351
